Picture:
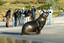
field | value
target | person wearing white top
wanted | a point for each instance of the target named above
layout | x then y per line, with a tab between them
22	16
50	11
41	11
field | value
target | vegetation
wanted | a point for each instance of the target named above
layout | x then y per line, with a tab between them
1	3
13	4
29	6
45	6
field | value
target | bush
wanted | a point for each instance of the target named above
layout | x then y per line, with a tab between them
45	6
1	3
29	6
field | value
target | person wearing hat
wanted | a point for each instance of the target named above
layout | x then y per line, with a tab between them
50	11
22	16
33	10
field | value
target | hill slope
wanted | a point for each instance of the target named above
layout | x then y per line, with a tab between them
6	6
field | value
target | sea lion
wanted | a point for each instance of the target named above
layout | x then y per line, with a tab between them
36	25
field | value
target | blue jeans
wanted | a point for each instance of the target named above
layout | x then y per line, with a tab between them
22	19
19	20
13	21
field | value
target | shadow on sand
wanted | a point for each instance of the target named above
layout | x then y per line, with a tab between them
2	26
60	15
10	33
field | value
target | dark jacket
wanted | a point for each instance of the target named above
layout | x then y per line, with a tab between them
27	13
33	12
19	13
8	14
15	14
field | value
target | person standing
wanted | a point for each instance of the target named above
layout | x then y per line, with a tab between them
33	10
8	15
27	14
50	11
41	11
19	16
15	15
22	16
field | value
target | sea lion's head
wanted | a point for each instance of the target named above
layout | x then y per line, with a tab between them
45	14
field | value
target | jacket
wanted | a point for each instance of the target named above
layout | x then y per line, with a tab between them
33	12
15	14
8	14
27	13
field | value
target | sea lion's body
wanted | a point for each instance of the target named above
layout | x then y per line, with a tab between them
34	26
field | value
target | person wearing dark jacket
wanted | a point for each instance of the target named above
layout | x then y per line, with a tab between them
33	10
8	14
27	14
15	16
19	16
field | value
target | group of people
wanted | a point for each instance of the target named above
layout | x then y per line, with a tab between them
19	15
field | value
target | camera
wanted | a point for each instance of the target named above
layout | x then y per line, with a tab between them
50	12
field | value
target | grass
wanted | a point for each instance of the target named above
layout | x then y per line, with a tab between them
45	6
61	3
5	7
